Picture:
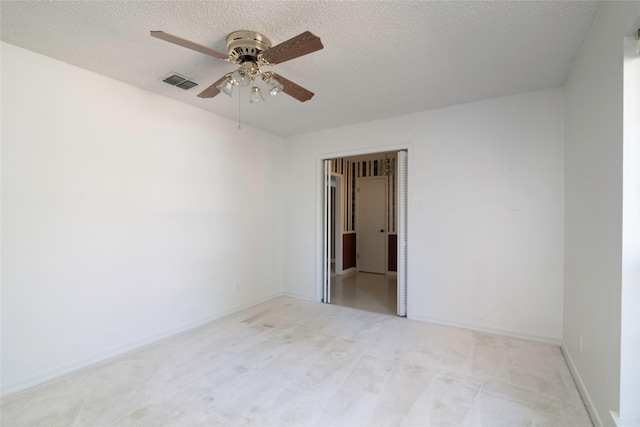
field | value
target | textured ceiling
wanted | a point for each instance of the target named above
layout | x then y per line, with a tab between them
380	59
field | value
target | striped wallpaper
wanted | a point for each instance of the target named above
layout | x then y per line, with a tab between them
351	169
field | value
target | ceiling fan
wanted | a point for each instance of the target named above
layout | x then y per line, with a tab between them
251	50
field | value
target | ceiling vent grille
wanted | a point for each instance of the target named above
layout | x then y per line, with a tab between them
179	81
187	84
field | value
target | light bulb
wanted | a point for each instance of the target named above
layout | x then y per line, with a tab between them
240	77
256	96
226	86
275	87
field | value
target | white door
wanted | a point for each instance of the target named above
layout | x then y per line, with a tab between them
372	225
402	178
326	234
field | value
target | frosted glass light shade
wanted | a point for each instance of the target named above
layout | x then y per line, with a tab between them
226	86
275	87
241	77
256	96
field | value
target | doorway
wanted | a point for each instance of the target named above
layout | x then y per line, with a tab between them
370	228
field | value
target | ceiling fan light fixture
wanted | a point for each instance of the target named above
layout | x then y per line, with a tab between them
275	87
226	86
256	96
250	50
240	77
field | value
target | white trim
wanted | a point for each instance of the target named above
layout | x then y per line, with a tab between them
326	233
339	225
319	257
621	422
407	146
402	218
629	404
348	271
487	329
365	151
581	388
299	296
96	358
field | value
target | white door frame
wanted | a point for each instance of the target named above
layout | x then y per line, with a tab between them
326	236
320	182
402	228
339	223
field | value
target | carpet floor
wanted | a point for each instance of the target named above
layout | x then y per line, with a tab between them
288	362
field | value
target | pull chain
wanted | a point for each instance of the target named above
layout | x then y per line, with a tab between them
239	97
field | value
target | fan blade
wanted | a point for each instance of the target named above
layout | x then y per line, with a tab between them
212	90
292	89
188	44
300	45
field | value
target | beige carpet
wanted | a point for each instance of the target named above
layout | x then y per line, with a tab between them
295	363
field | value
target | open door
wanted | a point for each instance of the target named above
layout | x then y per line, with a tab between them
326	235
402	232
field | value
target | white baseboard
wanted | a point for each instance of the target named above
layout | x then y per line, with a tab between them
348	271
84	362
623	422
299	296
597	422
495	331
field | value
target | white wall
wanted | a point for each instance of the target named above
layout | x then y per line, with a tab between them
593	224
487	251
126	216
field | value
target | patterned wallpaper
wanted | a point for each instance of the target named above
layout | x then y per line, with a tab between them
353	168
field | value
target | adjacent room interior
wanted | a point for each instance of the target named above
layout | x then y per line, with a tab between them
162	253
363	228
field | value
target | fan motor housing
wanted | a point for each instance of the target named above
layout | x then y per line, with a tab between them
245	46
